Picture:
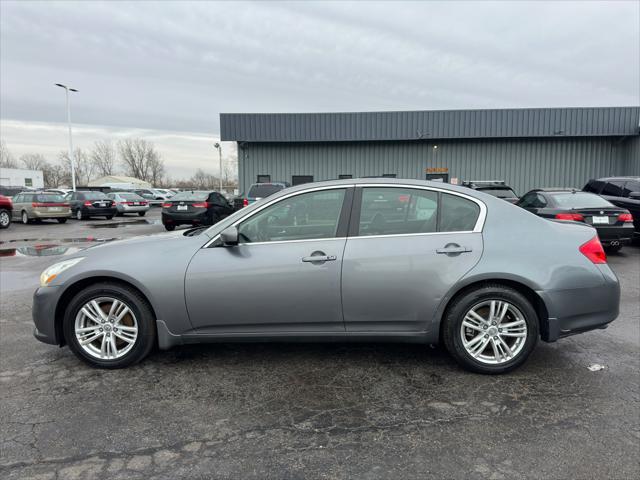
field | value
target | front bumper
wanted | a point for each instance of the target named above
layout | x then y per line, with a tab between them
579	310
45	300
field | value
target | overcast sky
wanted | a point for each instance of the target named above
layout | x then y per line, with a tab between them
165	70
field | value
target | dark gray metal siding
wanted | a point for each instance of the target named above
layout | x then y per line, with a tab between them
426	125
632	157
522	163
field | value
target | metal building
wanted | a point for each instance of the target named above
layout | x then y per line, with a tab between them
547	147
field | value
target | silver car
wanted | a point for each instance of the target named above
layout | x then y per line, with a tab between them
127	202
368	259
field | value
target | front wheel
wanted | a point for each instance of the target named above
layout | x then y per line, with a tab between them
170	228
62	220
109	325
5	218
491	329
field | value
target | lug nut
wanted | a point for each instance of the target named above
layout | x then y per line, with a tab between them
499	330
495	338
101	328
486	336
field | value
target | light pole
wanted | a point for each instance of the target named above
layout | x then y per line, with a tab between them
219	148
73	167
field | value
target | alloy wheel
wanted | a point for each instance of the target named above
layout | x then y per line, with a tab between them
25	218
106	328
4	219
493	332
79	214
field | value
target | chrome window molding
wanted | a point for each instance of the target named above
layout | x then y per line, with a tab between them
477	228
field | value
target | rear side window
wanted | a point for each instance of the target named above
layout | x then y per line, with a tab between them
613	189
630	187
263	190
393	211
457	214
49	198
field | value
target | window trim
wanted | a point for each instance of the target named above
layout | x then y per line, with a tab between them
353	208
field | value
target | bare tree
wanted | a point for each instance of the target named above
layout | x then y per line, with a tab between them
104	158
7	160
141	160
55	175
33	161
85	168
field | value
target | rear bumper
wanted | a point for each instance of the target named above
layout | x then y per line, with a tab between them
622	235
99	212
45	301
185	219
132	208
63	214
581	309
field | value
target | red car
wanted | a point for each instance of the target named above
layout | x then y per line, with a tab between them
5	211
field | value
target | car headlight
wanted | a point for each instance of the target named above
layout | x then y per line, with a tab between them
56	269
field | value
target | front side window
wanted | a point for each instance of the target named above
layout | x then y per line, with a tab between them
392	211
313	215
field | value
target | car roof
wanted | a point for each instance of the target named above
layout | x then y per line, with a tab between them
607	179
557	190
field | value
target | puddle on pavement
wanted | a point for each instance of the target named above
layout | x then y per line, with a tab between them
47	249
61	240
125	224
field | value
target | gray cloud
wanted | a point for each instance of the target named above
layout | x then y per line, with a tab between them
175	66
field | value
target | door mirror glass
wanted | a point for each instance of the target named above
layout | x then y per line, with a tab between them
229	236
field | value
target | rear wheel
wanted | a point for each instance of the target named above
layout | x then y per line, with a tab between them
141	214
25	217
62	220
491	329
109	217
170	228
5	218
109	325
79	215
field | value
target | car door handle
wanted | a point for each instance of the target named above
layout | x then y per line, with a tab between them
319	258
453	249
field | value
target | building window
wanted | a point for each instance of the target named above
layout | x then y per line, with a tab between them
389	175
28	182
300	179
345	176
264	179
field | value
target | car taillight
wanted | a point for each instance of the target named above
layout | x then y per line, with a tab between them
245	202
87	203
625	217
201	205
576	217
144	203
36	204
164	205
593	251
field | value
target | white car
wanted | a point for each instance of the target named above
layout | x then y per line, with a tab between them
128	202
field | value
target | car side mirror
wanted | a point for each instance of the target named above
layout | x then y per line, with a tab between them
635	195
229	236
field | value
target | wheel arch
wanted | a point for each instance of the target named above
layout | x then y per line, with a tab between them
520	285
80	285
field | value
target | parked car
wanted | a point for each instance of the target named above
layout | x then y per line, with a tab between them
196	207
87	204
28	206
613	224
321	262
6	211
258	191
59	191
149	196
497	188
163	192
128	202
621	191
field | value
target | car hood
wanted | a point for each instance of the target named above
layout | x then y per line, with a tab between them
143	245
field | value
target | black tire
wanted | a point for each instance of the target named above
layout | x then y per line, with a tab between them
170	228
613	249
5	218
62	220
141	214
137	303
109	217
452	322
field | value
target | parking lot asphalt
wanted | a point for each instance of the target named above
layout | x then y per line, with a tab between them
307	410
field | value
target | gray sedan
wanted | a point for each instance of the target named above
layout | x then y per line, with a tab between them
369	259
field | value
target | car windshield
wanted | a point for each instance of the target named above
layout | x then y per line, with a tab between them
94	196
579	200
49	197
263	190
499	192
190	196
